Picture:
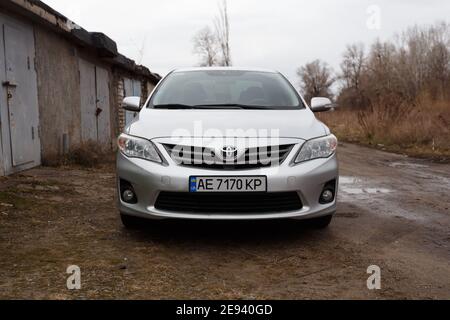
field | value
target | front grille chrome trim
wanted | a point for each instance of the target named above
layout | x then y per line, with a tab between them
252	158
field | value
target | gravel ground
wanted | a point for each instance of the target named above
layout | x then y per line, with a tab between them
393	212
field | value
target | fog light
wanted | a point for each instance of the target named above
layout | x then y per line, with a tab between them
128	196
127	193
327	196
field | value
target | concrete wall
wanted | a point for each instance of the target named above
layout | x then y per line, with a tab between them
58	91
57	65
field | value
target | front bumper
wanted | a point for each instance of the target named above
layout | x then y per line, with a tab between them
149	179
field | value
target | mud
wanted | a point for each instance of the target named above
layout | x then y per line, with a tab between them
393	212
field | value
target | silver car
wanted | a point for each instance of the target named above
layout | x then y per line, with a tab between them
227	144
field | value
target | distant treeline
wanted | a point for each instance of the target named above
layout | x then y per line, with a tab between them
415	63
395	96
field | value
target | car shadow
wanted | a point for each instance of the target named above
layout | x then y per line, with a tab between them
225	232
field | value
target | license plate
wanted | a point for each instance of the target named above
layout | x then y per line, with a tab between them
228	184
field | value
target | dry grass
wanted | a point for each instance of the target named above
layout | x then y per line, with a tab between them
87	155
421	129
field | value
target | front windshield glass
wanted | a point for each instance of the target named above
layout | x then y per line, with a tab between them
226	88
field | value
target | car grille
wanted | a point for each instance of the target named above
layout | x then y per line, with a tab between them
253	158
223	203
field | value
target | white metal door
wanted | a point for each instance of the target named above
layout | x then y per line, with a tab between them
20	129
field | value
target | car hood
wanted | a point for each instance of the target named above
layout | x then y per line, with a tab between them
152	124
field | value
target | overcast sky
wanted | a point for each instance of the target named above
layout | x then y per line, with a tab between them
274	34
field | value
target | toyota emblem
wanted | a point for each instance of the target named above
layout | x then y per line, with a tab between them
230	153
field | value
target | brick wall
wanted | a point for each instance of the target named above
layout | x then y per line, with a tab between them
119	99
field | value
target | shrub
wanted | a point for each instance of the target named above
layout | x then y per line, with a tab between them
421	129
89	154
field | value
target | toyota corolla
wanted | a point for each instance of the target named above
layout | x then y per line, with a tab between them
227	144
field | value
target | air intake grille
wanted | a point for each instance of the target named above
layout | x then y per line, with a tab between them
223	203
252	158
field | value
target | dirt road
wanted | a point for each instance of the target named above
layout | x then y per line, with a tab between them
393	212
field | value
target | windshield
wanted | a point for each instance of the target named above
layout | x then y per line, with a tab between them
226	89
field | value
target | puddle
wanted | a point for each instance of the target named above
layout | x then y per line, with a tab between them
365	191
419	172
407	165
349	180
358	186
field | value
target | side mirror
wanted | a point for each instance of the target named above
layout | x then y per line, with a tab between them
132	104
321	104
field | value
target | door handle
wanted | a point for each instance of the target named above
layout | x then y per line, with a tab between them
9	84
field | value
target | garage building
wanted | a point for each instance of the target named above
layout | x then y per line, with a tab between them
61	85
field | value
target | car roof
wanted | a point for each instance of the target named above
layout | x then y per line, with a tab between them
223	69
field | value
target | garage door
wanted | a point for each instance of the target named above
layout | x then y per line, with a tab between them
95	103
19	103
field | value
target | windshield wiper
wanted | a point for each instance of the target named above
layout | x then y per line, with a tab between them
230	106
173	106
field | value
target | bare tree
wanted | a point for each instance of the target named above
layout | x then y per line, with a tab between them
206	46
352	66
222	26
438	62
352	72
381	69
439	69
214	47
414	67
424	60
141	50
316	80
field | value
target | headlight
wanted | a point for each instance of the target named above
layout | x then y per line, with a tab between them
134	147
323	147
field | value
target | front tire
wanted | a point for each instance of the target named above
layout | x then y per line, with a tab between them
322	222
